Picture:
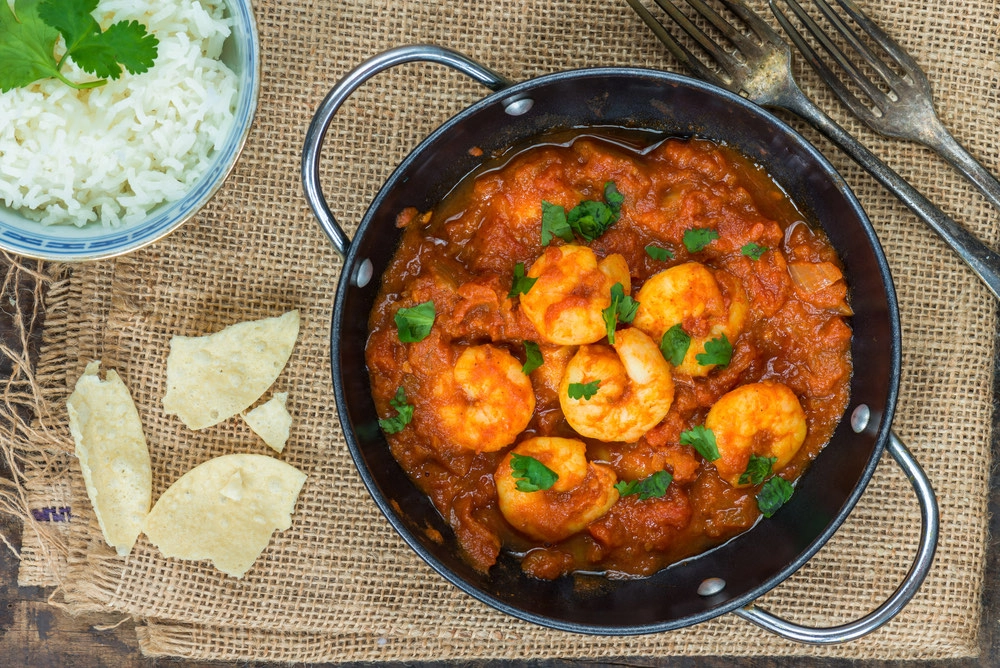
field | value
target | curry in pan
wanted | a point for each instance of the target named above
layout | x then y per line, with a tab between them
608	352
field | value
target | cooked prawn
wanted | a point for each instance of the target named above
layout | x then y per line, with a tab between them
572	289
634	390
583	492
763	419
486	400
691	295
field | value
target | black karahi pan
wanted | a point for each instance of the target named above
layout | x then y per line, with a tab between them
731	577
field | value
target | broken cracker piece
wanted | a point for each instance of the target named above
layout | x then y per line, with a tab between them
113	455
271	421
225	510
213	377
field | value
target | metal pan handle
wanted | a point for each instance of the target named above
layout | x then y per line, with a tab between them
929	521
339	94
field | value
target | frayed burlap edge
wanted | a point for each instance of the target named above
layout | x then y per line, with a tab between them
34	291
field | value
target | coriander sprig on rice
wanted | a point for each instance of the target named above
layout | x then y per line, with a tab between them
109	155
29	32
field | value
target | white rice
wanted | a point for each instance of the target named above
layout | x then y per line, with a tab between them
112	153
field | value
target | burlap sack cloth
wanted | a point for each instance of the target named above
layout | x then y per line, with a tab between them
339	584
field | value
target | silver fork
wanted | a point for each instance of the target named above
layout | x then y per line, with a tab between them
907	110
763	73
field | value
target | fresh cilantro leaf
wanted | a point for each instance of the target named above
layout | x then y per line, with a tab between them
703	440
27	43
627	488
674	345
404	413
773	495
717	351
522	283
414	324
591	219
588	219
613	197
654	486
125	43
610	316
627	308
583	390
533	357
622	308
695	240
554	223
530	474
73	20
758	468
99	53
659	254
753	251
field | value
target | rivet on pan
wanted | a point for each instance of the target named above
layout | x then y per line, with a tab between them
711	586
363	274
518	106
860	417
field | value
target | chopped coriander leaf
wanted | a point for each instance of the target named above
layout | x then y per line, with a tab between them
522	283
530	474
674	345
757	469
404	413
627	307
583	390
613	197
703	440
654	486
414	324
659	254
588	219
773	495
554	223
622	308
610	315
627	488
591	219
27	43
533	357
753	251
617	293
695	240
717	351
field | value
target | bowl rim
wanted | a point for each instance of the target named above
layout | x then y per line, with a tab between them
95	242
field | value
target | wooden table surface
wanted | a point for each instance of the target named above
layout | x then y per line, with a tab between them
33	633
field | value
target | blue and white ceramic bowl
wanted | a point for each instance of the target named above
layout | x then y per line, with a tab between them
69	243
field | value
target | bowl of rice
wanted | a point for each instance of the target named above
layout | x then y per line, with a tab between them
91	174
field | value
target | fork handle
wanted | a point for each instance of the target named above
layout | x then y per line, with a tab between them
983	260
939	139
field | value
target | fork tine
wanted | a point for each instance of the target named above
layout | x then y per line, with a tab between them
724	60
676	48
873	92
753	21
871	57
905	61
831	79
738	39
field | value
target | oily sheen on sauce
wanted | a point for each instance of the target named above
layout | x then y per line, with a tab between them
712	249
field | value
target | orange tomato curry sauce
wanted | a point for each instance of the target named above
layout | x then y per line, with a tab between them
463	255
